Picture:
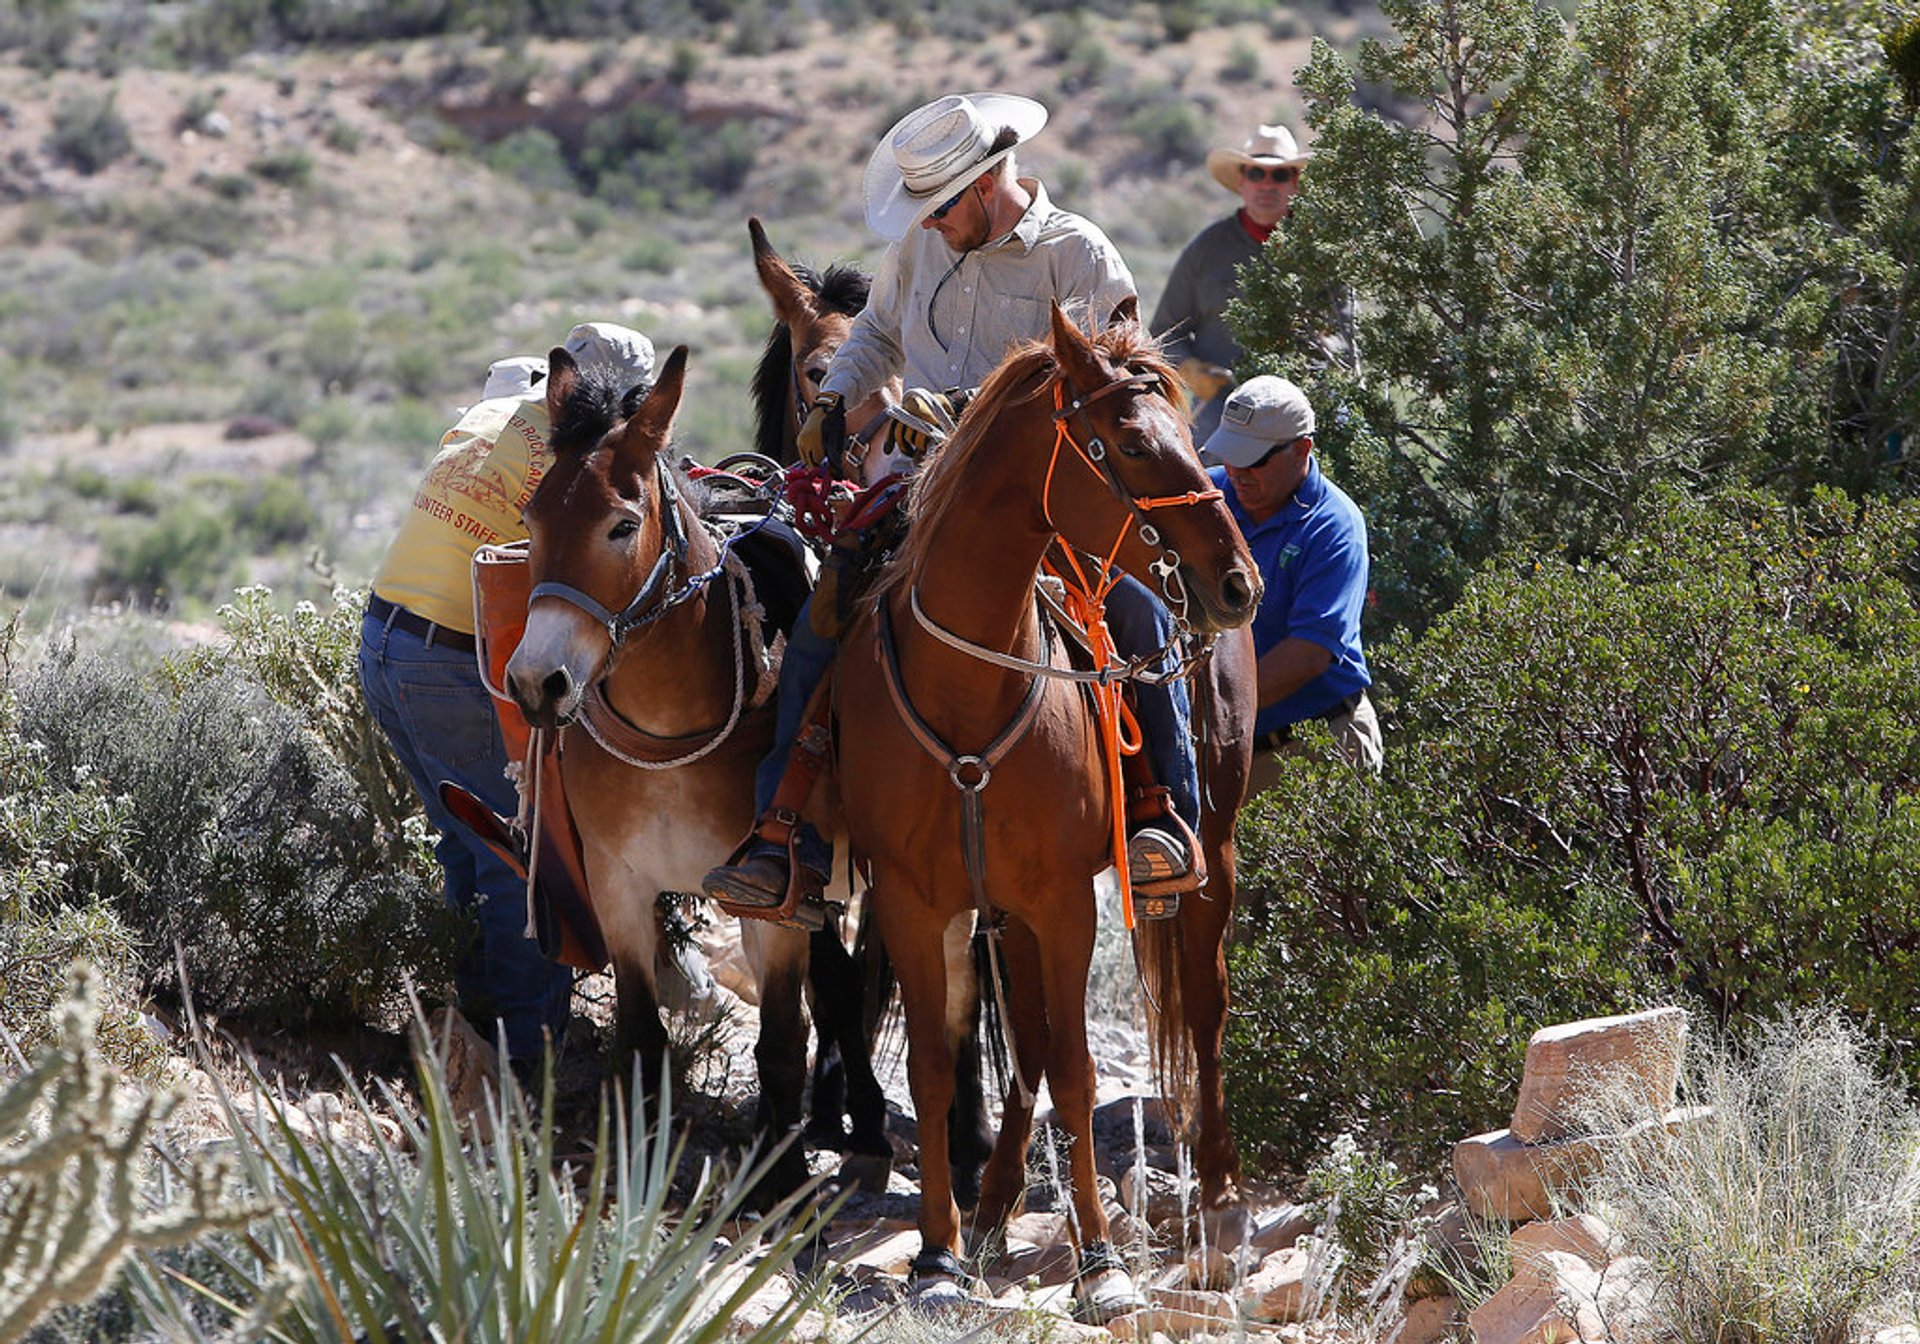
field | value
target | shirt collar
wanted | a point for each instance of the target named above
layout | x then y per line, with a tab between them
1027	231
1258	232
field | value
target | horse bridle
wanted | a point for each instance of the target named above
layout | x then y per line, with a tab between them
1165	564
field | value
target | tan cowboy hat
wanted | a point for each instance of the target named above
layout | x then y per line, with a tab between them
1268	146
935	150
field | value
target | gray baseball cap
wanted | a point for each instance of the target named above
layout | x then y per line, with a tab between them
620	348
1260	413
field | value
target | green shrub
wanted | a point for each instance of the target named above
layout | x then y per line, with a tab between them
88	131
1243	62
1170	129
1693	771
259	848
291	166
275	511
183	553
1790	1213
533	158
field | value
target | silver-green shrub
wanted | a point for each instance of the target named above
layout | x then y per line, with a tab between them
1791	1212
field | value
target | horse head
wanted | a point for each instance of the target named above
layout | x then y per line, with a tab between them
1124	482
812	314
607	531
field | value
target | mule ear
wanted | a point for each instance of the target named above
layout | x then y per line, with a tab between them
563	376
793	302
1126	312
1074	350
649	424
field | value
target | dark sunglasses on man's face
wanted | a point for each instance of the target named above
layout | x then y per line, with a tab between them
1277	174
1270	454
951	201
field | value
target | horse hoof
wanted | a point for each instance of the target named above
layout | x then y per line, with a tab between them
1107	1297
868	1173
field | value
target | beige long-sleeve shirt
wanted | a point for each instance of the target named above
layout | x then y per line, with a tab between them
944	319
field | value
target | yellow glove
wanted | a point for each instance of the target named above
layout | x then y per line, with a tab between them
922	421
1203	380
824	427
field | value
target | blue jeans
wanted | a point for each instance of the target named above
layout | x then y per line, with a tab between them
431	705
1140	623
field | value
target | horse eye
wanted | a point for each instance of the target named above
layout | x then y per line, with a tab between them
623	529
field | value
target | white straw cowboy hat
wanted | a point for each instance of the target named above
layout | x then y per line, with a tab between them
935	150
1268	146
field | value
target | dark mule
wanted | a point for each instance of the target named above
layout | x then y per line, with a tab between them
958	764
641	650
813	313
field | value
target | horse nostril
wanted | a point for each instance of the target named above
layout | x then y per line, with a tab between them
557	686
1237	591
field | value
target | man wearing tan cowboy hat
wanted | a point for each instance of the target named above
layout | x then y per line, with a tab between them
979	255
1265	174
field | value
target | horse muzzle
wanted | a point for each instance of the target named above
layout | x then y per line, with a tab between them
1222	603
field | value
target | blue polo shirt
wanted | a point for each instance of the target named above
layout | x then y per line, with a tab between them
1313	556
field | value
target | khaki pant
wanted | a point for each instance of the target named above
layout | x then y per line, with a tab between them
1356	737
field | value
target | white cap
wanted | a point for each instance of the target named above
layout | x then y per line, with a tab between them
619	348
1261	414
513	377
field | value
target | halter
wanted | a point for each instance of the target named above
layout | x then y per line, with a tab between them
654	600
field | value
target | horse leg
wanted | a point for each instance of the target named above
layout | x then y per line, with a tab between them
837	998
1003	1186
638	1033
779	960
972	1134
916	940
1104	1289
1203	970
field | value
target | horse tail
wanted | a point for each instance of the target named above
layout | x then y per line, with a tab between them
1157	947
881	1000
991	1029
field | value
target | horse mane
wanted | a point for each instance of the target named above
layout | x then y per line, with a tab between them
1024	374
843	289
602	399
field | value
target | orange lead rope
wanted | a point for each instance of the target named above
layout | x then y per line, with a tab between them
1086	602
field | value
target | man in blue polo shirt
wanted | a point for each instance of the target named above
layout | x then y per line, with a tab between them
1311	545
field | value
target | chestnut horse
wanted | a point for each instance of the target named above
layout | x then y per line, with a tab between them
641	648
961	761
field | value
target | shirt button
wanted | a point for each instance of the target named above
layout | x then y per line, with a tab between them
966	289
963	331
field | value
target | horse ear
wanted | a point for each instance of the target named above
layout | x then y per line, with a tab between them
1126	312
1074	350
648	426
793	302
563	376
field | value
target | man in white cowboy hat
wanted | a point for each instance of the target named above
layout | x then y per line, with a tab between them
1265	174
979	255
423	686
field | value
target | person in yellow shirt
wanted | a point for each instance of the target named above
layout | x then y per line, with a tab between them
423	686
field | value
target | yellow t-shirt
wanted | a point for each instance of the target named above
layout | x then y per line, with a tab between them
472	495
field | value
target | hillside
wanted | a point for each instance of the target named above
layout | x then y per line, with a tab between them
325	248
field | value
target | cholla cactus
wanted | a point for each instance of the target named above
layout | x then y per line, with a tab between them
74	1149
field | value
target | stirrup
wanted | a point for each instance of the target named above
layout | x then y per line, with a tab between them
1160	898
805	905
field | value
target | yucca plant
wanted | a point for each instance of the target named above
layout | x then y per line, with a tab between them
446	1236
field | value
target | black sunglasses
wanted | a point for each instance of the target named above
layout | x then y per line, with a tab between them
951	201
1272	453
1253	174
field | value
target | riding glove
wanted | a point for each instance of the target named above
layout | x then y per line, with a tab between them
927	421
825	429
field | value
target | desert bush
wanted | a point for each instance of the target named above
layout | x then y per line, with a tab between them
1170	129
88	131
184	553
255	846
489	1234
275	511
1691	771
1243	62
290	166
533	158
1789	1213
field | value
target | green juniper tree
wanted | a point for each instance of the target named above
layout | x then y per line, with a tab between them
1666	243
